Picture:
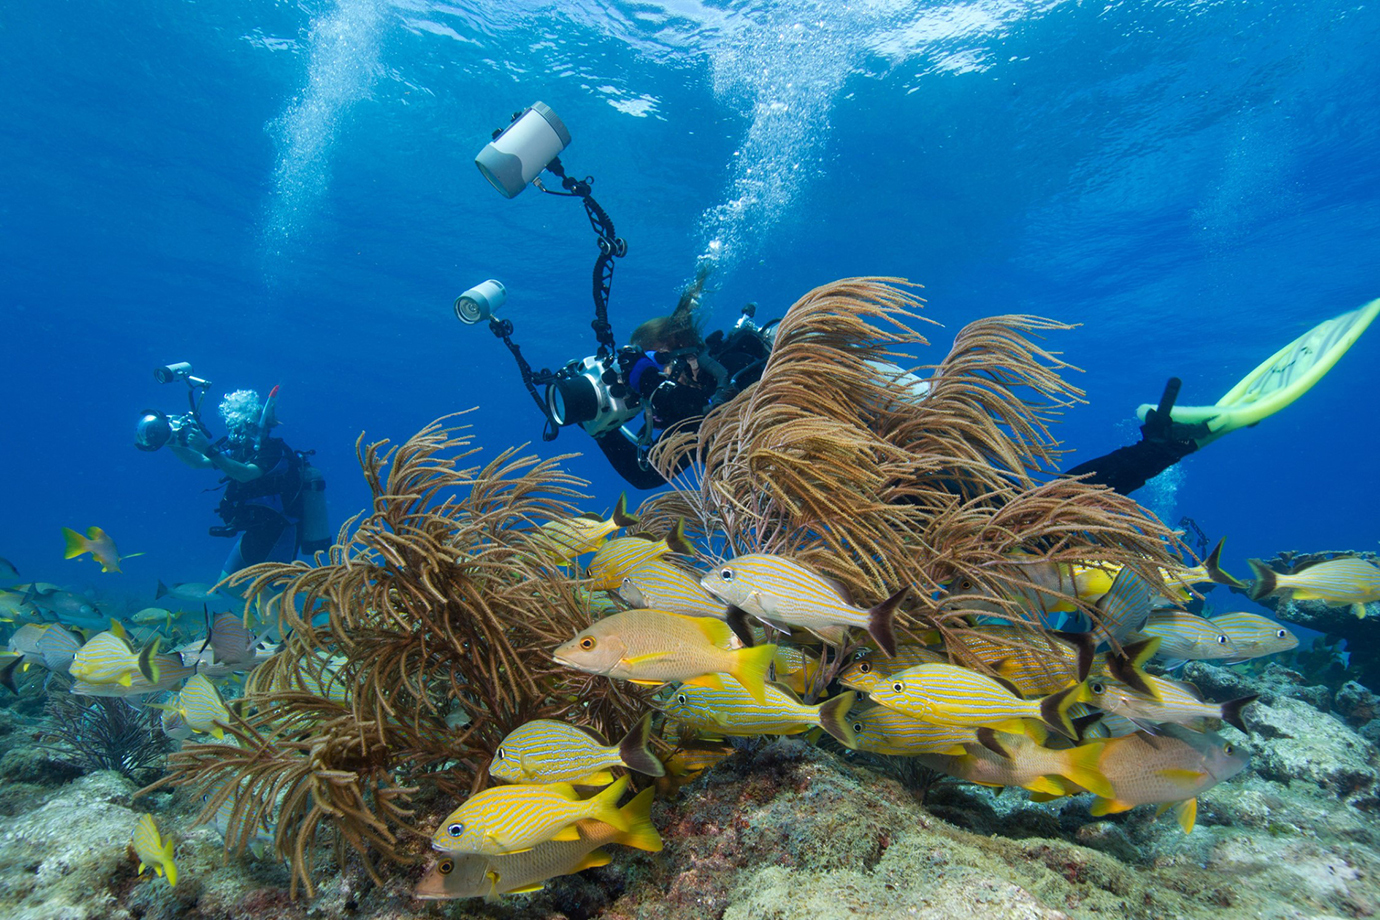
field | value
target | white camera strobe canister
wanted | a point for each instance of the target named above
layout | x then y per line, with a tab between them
513	159
480	302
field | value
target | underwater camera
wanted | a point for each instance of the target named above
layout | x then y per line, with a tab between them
156	428
519	152
599	394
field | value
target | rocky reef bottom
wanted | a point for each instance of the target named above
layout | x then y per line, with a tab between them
783	829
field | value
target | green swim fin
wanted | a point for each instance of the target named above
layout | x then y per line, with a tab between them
1282	378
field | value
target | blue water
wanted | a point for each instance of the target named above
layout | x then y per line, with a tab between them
283	193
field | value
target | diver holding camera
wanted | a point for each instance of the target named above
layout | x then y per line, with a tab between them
274	501
669	376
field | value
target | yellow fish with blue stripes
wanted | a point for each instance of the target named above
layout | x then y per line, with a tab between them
514	819
954	695
733	711
108	659
200	706
616	558
881	730
153	851
871	666
1254	636
564	539
547	751
663	586
1346	581
783	592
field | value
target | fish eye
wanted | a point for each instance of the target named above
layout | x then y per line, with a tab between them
1096	687
498	754
726	574
1282	634
865	667
898	686
680	698
587	643
1228	748
1222	640
965	585
456	829
857	727
447	866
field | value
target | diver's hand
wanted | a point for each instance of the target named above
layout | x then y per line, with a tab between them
197	440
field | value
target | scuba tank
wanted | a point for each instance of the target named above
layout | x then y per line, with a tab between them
313	532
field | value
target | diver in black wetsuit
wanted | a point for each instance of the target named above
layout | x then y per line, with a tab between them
1164	442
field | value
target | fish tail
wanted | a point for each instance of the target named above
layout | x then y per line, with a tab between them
1082	766
76	544
677	540
1128	667
737	620
1266	580
1054	709
881	622
604	806
1086	646
7	675
1231	711
621	517
169	867
833	718
635	750
641	833
750	669
147	665
162	590
1213	566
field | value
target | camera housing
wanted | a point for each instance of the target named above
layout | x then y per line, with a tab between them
590	392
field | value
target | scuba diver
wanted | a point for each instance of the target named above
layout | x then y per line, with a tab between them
274	500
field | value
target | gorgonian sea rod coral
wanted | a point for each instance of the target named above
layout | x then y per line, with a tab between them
880	478
411	649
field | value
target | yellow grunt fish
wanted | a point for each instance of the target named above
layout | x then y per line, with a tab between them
661	585
563	540
96	542
881	730
731	711
656	647
200	706
1254	636
153	852
1187	637
107	659
48	644
1347	581
871	666
546	751
780	591
616	558
471	876
1002	759
514	819
1173	702
953	695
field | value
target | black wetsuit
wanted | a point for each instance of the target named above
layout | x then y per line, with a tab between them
264	511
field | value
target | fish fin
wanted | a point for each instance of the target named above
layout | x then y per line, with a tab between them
676	540
716	631
1086	647
737	620
881	622
170	866
1007	684
217	732
1054	709
162	590
750	669
1044	785
708	681
571	832
76	544
538	886
1082	766
833	718
7	676
645	659
641	834
148	664
598	778
987	737
125	680
141	869
1181	776
1266	580
604	807
635	750
621	517
118	629
1359	609
1231	711
1105	806
592	861
1128	667
1187	814
647	683
1019	727
1213	566
1045	796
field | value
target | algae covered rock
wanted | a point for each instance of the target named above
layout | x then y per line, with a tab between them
1294	742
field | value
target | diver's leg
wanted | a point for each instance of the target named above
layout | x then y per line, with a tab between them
1163	443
